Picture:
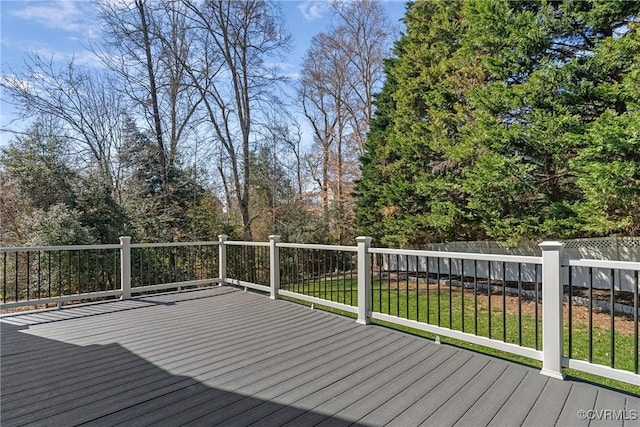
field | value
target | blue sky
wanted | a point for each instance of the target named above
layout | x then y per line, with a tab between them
62	27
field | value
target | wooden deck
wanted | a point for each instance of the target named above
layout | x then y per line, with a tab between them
225	357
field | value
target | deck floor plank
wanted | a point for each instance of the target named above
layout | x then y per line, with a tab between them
221	356
495	396
549	405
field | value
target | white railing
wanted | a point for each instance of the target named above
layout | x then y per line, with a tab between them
35	276
512	303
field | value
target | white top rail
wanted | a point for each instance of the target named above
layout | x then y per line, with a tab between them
59	248
173	244
459	255
241	243
597	263
320	247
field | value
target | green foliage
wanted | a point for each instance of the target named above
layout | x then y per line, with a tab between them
186	212
506	120
99	211
57	226
38	161
55	202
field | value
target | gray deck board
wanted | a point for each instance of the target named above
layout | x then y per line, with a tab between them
578	398
495	396
221	356
517	407
549	405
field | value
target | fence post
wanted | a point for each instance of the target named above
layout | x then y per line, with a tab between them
222	259
364	280
552	309
125	267
274	265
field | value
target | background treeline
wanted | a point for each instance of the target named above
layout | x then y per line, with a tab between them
501	120
187	127
506	120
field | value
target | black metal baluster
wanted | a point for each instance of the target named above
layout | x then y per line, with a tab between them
79	273
635	323
166	272
48	274
59	273
69	284
303	259
489	297
351	287
39	274
324	273
379	262
142	252
313	286
389	284
4	277
475	296
438	290
520	304
535	282
462	292
407	281
613	313
28	275
428	312
331	276
504	301
397	285
92	275
570	314
17	277
372	261
116	270
417	291
590	314
451	293
155	267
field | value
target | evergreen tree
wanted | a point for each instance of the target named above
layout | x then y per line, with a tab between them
511	121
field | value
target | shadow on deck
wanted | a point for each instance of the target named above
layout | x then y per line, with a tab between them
224	357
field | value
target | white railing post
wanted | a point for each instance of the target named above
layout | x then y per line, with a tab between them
125	267
364	280
222	259
552	309
274	265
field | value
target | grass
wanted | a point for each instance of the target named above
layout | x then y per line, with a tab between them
459	310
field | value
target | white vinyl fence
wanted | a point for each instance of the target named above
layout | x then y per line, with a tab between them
613	248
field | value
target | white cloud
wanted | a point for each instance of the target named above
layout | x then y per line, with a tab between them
313	9
63	15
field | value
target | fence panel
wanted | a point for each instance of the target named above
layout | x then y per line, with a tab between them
43	275
248	264
601	324
173	265
323	273
496	298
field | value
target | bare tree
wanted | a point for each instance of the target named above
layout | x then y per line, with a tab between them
147	47
324	94
342	69
83	100
363	32
234	42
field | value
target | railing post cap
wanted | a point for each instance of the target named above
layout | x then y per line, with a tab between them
125	238
274	237
551	245
222	237
364	239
